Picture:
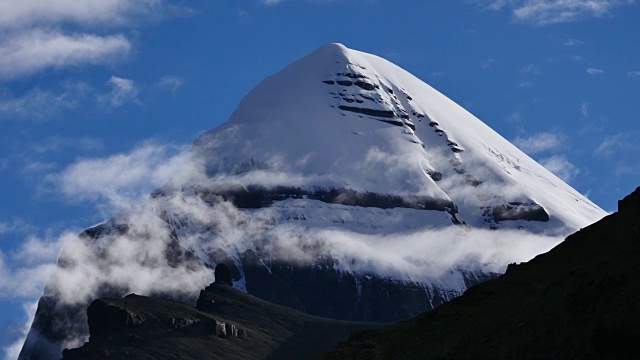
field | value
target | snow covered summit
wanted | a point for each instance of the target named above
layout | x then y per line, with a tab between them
341	118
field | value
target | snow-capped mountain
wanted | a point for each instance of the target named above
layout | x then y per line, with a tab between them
341	118
342	186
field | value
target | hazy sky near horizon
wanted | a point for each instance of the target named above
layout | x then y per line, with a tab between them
108	91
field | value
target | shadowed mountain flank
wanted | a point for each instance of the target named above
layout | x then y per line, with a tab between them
579	300
226	324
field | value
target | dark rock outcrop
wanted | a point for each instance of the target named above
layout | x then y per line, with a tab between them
57	322
233	325
321	290
223	274
104	317
630	201
520	211
256	196
387	114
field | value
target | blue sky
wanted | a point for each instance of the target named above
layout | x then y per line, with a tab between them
99	99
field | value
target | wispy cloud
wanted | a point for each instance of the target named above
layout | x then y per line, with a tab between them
485	64
545	12
171	83
56	34
37	50
30	13
584	109
37	104
539	142
243	16
12	351
561	167
530	69
271	2
572	42
56	143
122	91
594	71
612	144
14	226
633	74
122	178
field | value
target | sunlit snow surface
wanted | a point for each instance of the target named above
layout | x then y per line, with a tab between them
292	129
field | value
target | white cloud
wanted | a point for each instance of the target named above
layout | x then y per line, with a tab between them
38	50
171	83
530	69
584	109
561	167
573	42
36	34
525	84
539	142
271	2
243	16
545	12
22	278
13	350
594	71
122	179
612	144
485	64
34	166
14	226
36	103
29	13
515	116
122	91
54	144
137	262
633	74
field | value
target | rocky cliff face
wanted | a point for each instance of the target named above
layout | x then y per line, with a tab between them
322	291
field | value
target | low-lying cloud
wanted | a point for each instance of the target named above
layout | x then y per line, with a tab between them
138	251
125	179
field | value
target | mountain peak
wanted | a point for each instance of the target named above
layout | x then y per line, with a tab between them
339	185
333	49
341	118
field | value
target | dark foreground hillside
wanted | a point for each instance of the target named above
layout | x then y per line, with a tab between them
580	300
227	324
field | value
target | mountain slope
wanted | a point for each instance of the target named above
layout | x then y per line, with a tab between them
342	186
227	324
579	300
